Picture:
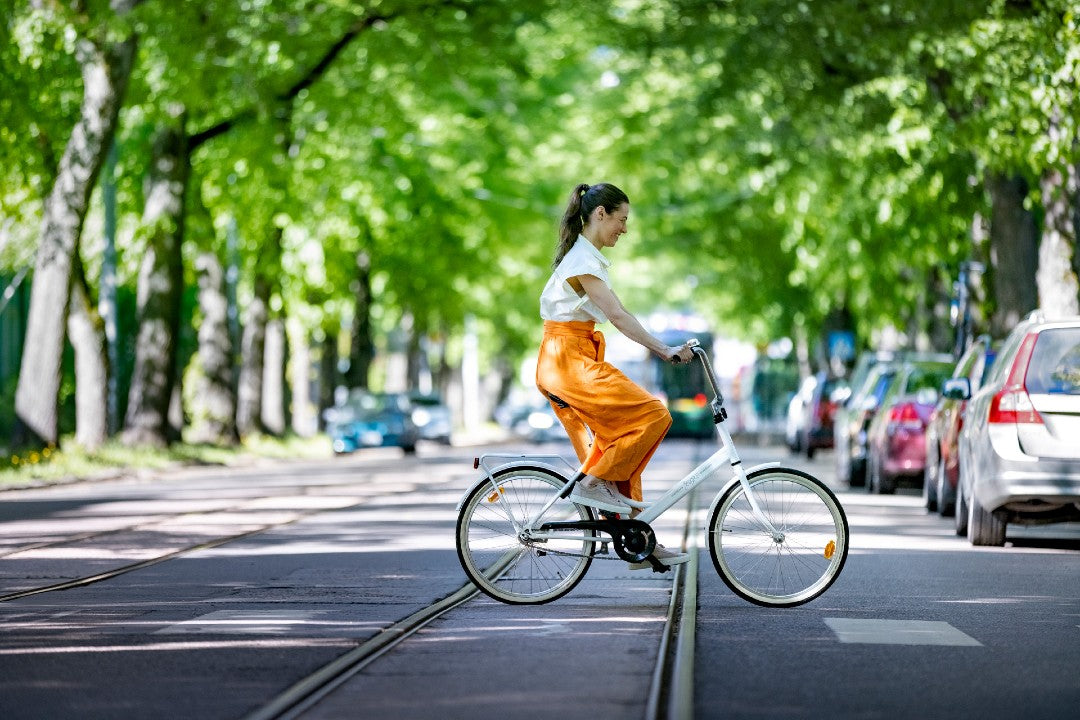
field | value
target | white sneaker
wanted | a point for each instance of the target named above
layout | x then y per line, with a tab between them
665	556
600	495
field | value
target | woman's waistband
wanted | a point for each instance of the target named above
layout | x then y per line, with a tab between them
572	328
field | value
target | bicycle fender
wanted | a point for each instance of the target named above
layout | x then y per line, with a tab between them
523	464
732	481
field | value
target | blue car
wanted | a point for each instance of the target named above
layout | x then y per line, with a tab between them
371	420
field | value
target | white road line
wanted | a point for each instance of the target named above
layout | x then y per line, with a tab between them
899	632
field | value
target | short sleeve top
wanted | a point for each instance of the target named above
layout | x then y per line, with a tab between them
559	301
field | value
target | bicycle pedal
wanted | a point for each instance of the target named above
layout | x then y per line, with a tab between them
604	549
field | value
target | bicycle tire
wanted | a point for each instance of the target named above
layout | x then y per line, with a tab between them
494	557
783	571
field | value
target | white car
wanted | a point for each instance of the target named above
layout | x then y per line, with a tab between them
1020	444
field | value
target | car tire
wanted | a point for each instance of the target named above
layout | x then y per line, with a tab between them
984	527
930	485
946	505
810	449
870	483
960	521
409	449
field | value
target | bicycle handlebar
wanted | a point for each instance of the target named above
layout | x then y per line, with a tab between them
710	376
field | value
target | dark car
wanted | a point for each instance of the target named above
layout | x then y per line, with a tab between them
853	418
372	420
896	439
943	431
432	417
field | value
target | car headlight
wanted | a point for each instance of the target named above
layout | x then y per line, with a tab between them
540	421
421	417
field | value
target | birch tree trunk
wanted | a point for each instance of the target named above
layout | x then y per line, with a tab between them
275	399
252	356
159	292
1013	252
214	400
87	333
1059	292
105	73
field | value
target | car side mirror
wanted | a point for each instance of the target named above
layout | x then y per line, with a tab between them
957	389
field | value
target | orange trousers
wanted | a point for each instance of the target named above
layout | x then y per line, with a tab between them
587	393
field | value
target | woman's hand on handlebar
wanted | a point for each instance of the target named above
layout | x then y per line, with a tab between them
680	355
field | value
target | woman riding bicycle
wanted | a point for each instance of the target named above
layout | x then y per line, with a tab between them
586	393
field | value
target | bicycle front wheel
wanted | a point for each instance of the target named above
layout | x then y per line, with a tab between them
504	564
800	560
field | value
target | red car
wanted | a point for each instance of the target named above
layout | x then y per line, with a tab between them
943	431
896	441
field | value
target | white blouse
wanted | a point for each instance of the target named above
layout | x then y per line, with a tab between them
561	302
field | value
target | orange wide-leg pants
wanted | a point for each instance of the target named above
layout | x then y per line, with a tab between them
627	422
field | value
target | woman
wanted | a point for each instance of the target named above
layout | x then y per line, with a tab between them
586	393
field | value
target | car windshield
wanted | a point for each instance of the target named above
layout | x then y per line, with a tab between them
368	404
927	377
1055	363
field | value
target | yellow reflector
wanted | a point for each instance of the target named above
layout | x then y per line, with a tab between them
495	495
830	548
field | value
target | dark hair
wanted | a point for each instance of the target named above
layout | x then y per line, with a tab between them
583	200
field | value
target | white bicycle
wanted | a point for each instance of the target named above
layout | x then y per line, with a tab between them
778	537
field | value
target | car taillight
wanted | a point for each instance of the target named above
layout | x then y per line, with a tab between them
1012	404
700	400
906	416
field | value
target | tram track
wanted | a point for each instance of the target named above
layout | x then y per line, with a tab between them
670	693
352	494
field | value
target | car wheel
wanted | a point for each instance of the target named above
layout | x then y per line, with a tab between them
961	511
871	473
946	504
810	451
930	485
983	527
886	484
409	449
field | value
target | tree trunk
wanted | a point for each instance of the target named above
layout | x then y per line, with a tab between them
105	73
1059	292
328	374
362	346
87	333
1013	252
213	404
159	292
274	396
302	421
252	356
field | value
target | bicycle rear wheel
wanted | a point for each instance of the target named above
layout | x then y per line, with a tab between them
798	563
495	557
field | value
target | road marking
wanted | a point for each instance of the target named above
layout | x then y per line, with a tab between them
246	622
899	632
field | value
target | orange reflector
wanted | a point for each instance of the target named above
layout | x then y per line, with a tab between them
830	548
495	495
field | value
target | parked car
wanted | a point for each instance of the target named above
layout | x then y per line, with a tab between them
852	420
810	414
943	430
540	425
796	413
1019	448
371	420
432	417
896	439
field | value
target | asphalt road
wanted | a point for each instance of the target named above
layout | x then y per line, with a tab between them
231	586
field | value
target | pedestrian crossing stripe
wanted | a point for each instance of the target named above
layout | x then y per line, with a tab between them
899	632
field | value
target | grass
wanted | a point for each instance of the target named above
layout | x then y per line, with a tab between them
71	462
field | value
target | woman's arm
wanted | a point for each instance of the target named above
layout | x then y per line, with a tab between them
627	324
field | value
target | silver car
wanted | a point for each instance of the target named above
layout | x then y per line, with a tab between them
1020	445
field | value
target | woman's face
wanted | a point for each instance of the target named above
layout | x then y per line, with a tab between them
611	225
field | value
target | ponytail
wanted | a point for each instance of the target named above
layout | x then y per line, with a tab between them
585	198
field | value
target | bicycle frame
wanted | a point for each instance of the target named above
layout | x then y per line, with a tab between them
651	511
